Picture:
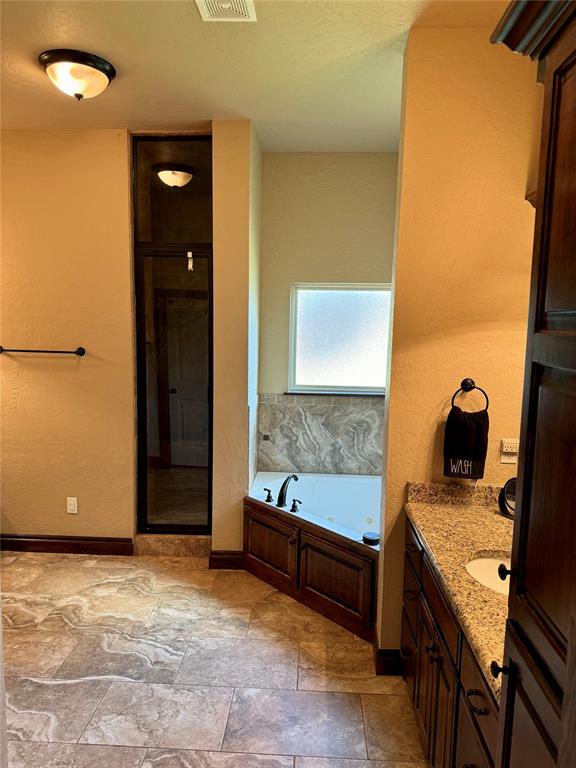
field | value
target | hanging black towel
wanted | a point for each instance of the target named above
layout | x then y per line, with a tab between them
465	443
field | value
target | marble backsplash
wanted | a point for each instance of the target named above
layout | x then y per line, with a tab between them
320	433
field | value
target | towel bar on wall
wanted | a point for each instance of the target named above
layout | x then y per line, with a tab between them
80	351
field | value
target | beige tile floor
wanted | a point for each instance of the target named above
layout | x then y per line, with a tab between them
155	662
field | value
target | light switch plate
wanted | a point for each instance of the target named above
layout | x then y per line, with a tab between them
72	505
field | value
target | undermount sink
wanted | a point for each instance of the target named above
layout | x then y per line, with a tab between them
485	571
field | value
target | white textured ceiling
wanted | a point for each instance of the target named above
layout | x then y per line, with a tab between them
313	75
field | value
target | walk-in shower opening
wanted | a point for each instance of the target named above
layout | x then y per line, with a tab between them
173	270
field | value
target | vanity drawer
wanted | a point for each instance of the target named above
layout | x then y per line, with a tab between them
479	699
411	595
413	548
441	611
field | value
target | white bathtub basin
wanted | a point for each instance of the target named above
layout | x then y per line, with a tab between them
485	571
345	504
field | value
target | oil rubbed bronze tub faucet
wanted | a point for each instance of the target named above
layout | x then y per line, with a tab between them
284	490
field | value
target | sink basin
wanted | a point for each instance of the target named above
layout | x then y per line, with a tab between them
485	571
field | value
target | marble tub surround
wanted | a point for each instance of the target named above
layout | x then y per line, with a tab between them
320	434
457	524
181	667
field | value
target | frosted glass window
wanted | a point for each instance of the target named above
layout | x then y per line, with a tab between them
339	338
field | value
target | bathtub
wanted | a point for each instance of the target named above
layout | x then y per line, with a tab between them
348	505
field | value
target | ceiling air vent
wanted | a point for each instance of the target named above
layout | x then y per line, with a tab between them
227	10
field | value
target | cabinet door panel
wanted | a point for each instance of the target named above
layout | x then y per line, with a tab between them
478	698
530	711
270	549
469	750
425	688
411	594
445	708
409	652
337	580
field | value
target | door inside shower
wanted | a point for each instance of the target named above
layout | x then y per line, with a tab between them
173	267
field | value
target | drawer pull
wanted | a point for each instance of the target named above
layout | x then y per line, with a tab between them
410	595
496	670
469	765
480	711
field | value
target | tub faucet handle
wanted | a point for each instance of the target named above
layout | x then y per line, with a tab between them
269	496
294	507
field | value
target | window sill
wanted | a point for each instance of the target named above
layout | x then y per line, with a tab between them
328	393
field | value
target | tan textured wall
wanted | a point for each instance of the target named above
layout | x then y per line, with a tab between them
232	150
462	265
67	422
326	217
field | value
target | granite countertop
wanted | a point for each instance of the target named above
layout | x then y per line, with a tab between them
458	523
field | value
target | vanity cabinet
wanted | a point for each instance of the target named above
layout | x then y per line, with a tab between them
331	574
455	707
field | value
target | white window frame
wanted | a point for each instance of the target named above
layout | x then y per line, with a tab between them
293	388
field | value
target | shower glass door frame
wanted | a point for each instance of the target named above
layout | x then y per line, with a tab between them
142	251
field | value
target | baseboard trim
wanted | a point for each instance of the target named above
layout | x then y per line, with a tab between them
226	559
388	661
75	545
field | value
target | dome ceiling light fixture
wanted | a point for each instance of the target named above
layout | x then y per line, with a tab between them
174	175
77	73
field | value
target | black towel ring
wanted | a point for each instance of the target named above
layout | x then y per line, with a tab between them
467	385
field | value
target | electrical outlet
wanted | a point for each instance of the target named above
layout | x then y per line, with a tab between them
72	505
509	447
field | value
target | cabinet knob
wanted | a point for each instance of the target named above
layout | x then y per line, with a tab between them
292	541
496	670
504	572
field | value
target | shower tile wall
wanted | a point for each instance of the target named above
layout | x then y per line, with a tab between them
322	434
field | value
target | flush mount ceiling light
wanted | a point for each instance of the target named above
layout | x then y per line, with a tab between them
174	175
76	73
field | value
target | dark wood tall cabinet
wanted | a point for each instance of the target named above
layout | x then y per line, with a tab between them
538	715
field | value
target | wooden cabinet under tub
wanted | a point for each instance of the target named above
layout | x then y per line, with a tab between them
330	573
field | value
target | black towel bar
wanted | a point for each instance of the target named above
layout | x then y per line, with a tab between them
467	385
80	351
